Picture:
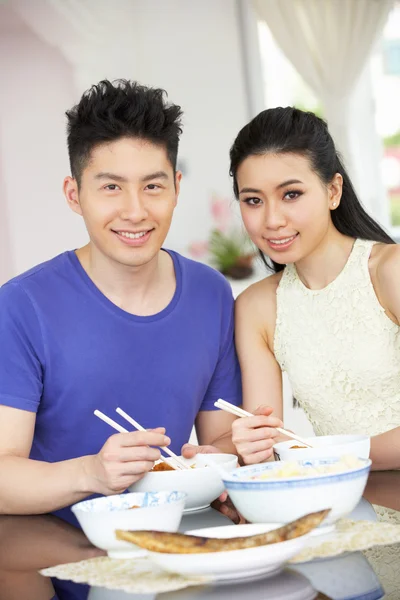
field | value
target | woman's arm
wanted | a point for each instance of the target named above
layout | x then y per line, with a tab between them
261	375
385	448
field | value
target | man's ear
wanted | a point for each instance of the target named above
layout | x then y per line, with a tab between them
71	192
178	179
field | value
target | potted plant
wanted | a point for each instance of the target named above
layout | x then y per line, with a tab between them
227	249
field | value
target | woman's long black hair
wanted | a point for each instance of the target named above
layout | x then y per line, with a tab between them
279	130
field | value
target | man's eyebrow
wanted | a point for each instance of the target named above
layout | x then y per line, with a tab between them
155	175
113	176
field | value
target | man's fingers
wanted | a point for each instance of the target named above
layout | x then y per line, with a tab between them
136	467
189	450
143	438
138	453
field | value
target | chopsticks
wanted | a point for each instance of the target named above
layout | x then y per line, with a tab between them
179	463
239	412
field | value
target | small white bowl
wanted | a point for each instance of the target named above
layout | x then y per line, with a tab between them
202	484
100	517
325	446
281	500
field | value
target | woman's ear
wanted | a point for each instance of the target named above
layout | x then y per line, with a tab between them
335	189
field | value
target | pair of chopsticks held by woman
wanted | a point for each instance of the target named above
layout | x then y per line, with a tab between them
122	321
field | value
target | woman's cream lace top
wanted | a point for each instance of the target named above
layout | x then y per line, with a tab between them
340	350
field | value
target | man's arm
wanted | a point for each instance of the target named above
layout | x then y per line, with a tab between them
33	487
29	486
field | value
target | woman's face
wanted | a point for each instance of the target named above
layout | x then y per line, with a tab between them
284	205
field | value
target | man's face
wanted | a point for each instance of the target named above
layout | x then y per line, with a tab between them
127	197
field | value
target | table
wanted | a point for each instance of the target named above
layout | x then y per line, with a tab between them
31	543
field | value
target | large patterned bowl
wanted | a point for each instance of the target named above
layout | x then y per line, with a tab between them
278	499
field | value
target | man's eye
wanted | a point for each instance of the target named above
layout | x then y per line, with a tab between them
152	186
112	187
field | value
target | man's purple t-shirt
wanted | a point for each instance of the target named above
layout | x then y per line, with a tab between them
66	350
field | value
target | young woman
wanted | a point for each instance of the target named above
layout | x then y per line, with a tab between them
329	315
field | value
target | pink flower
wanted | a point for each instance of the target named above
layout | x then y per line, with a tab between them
198	249
221	212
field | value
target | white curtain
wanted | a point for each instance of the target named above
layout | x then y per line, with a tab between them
329	43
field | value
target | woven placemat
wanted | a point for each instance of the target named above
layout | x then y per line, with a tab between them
135	575
350	536
141	576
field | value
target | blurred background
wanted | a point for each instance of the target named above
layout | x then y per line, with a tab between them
223	61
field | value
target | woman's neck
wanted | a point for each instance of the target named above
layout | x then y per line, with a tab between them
319	268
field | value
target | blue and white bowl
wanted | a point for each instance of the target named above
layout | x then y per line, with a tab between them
281	500
100	517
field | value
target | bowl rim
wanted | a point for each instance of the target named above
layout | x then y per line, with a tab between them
346	473
198	468
179	497
361	438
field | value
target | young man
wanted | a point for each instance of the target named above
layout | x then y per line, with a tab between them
119	322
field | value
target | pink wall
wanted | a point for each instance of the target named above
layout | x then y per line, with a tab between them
37	87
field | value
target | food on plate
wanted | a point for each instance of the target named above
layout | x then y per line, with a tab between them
180	543
296	447
134	506
162	466
295	469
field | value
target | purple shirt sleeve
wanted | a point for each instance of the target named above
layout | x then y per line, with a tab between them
21	350
226	380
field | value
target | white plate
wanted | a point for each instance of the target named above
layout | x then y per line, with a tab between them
235	564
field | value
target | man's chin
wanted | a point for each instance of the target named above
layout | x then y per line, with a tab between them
135	259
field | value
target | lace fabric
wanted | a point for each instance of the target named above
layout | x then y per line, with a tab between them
342	356
340	350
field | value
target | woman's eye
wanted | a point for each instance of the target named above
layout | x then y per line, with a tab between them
253	201
292	195
112	187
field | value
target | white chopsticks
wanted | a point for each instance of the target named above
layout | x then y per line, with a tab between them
239	412
179	463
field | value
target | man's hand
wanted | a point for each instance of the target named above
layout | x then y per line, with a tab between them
225	506
190	450
124	459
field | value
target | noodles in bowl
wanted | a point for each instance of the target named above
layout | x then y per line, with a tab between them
283	491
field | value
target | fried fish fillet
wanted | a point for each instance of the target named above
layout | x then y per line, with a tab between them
180	543
162	466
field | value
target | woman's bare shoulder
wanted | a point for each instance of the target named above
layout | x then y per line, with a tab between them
260	296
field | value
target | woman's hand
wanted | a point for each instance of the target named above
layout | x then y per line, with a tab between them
255	436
